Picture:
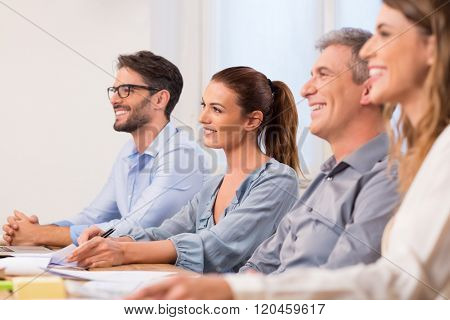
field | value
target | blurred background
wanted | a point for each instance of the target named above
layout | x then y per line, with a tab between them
58	57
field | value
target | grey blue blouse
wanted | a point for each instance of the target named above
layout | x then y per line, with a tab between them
261	201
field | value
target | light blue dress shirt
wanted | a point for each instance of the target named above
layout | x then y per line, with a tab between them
261	201
145	189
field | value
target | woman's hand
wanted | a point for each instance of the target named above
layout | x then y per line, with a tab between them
89	233
98	252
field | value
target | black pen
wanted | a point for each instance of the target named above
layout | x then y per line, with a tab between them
108	233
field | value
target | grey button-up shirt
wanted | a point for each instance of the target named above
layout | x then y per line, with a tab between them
340	218
261	201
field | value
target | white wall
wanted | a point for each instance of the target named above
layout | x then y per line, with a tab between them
56	132
57	59
176	33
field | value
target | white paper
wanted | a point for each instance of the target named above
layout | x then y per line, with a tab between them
59	257
24	266
111	276
105	290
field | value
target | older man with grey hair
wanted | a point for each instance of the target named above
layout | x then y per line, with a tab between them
340	218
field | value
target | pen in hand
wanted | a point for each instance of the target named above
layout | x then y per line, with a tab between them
108	232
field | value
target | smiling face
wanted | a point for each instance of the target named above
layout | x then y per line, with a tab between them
333	96
398	58
133	111
221	117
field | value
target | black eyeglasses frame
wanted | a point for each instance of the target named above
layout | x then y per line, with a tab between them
113	90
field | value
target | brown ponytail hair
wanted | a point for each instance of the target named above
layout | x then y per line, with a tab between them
278	131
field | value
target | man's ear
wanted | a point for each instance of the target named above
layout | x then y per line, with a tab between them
160	99
254	120
365	98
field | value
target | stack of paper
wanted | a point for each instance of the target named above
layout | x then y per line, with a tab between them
110	276
35	263
24	266
108	284
100	285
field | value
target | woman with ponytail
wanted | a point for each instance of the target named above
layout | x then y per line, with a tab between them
254	121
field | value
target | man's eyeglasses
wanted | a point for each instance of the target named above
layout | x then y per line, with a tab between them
124	90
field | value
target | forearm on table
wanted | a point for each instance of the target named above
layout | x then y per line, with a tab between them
162	251
53	235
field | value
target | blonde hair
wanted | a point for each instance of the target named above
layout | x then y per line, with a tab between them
432	17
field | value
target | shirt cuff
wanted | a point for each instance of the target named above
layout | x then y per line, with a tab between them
189	251
75	232
247	286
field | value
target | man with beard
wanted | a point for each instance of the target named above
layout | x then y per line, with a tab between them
155	173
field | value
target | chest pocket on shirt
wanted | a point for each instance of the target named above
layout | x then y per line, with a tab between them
322	219
313	236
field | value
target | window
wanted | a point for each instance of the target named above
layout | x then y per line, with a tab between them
277	38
